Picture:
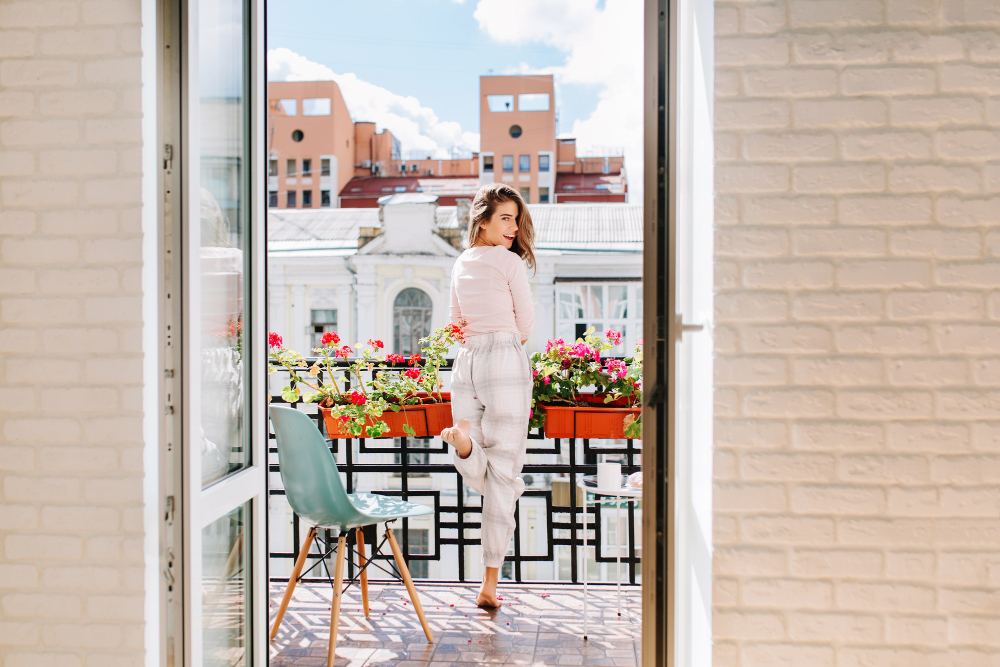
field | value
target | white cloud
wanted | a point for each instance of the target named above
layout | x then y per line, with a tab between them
417	127
603	47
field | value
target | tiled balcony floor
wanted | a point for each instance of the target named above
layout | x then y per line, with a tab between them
537	625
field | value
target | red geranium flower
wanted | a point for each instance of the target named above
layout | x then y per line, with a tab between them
377	344
273	339
345	418
330	338
343	352
358	397
413	373
395	358
414	359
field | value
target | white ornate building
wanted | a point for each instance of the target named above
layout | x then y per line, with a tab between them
385	273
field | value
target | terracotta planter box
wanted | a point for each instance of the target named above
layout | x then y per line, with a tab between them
603	420
428	419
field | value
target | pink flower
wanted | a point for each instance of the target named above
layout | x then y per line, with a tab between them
531	413
395	358
344	352
358	397
615	337
377	344
273	339
616	367
534	373
330	338
581	350
546	380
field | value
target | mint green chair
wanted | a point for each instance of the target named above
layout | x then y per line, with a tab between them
316	493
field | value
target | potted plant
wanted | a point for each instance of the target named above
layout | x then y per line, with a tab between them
577	394
390	404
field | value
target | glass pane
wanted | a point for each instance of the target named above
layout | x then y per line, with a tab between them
571	301
533	102
222	157
617	301
319	106
225	593
595	304
500	102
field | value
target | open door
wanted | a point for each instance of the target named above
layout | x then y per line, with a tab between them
677	420
213	458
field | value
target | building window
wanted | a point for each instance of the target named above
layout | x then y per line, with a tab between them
317	106
601	186
543	163
320	322
298	135
307	198
272	198
487	163
324	198
515	131
508	163
603	306
289	167
288	106
524	163
543	195
606	169
290	199
413	167
411	320
324	166
400	188
420	543
500	102
525	194
307	167
533	102
272	167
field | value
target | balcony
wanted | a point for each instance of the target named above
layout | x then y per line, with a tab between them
444	558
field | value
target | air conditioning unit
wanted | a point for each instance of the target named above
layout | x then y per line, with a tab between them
366	164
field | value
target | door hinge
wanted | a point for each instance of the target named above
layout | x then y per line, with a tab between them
169	515
168	156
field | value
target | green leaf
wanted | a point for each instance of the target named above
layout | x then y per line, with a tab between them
290	394
408	430
309	398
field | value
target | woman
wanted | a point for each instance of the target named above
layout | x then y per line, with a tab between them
491	380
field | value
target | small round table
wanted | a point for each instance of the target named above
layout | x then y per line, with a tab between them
627	494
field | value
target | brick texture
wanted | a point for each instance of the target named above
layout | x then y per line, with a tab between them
70	549
857	463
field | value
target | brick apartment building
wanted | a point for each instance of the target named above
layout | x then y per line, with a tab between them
319	158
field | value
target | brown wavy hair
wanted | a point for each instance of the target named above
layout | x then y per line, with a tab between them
485	205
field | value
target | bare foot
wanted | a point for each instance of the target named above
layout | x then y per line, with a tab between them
458	437
487	599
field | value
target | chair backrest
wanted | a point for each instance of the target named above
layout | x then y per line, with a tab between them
308	470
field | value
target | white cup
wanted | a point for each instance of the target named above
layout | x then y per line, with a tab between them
609	476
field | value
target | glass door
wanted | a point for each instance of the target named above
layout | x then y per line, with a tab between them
219	478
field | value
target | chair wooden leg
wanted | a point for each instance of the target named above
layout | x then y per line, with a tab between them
338	591
299	563
405	571
362	559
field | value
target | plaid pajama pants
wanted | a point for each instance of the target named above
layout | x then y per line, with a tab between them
491	387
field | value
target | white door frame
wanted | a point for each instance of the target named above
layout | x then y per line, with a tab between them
677	326
186	508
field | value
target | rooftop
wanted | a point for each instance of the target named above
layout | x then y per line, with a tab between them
573	227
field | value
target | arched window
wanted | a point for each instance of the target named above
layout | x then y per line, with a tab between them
411	319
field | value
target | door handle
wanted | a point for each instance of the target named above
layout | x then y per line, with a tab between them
691	327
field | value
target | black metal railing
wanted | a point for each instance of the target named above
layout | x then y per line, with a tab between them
453	521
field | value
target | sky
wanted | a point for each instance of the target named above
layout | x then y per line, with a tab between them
413	66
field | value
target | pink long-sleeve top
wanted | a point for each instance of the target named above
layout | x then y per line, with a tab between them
490	291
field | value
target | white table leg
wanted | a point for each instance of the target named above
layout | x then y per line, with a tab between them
584	563
618	551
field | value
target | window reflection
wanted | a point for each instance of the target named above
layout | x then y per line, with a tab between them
222	150
224	577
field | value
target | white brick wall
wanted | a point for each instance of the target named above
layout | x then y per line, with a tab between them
857	472
71	559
